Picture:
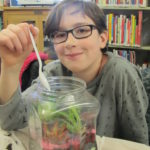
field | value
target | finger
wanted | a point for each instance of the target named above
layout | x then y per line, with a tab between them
25	27
21	35
15	40
34	30
6	41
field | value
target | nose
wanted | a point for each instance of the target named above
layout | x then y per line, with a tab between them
70	42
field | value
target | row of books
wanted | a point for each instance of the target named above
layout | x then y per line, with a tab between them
144	65
127	54
124	30
130	3
131	56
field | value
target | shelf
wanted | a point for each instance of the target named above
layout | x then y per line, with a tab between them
34	15
124	8
145	48
27	8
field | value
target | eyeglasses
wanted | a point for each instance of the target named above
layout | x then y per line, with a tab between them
80	32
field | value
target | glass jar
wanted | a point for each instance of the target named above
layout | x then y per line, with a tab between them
63	118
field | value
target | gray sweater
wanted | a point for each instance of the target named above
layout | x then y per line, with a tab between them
119	90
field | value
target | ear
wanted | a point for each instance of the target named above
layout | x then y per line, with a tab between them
104	39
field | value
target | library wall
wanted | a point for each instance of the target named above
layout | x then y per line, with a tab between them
128	27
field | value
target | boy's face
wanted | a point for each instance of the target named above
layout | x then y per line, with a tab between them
79	55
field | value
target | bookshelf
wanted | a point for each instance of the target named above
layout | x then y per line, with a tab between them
128	28
124	8
144	48
35	15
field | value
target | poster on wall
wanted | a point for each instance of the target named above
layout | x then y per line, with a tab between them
38	2
35	2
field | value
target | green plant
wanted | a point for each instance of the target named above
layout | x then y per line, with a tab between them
71	118
45	110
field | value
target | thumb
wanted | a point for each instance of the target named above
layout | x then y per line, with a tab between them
34	30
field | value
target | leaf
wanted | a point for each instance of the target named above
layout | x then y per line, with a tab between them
71	118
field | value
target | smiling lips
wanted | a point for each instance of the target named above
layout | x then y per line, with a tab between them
73	55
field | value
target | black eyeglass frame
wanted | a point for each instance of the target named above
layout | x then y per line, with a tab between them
92	27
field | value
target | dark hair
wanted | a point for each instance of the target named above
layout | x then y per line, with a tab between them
88	8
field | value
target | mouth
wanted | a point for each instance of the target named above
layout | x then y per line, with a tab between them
73	55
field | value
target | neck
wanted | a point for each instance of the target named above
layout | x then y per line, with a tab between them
91	72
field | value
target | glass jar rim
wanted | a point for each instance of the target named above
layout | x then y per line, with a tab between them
81	83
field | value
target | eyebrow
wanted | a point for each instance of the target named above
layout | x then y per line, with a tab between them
74	26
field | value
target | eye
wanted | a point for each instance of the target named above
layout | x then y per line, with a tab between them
82	30
59	35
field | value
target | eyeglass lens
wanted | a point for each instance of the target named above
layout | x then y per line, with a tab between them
78	32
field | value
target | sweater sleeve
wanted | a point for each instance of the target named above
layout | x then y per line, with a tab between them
13	114
132	106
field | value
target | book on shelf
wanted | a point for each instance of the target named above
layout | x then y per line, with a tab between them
144	65
129	55
139	30
123	3
124	30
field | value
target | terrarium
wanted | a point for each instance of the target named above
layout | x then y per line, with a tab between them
63	118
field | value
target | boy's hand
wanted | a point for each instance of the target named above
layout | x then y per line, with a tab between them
15	43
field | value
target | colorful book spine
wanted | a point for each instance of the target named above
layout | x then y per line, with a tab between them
136	35
140	18
124	30
129	31
132	29
127	54
110	28
134	32
137	3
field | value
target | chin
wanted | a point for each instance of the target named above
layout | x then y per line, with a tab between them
75	66
74	69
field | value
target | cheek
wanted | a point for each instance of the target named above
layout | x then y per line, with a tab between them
94	40
58	49
94	44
